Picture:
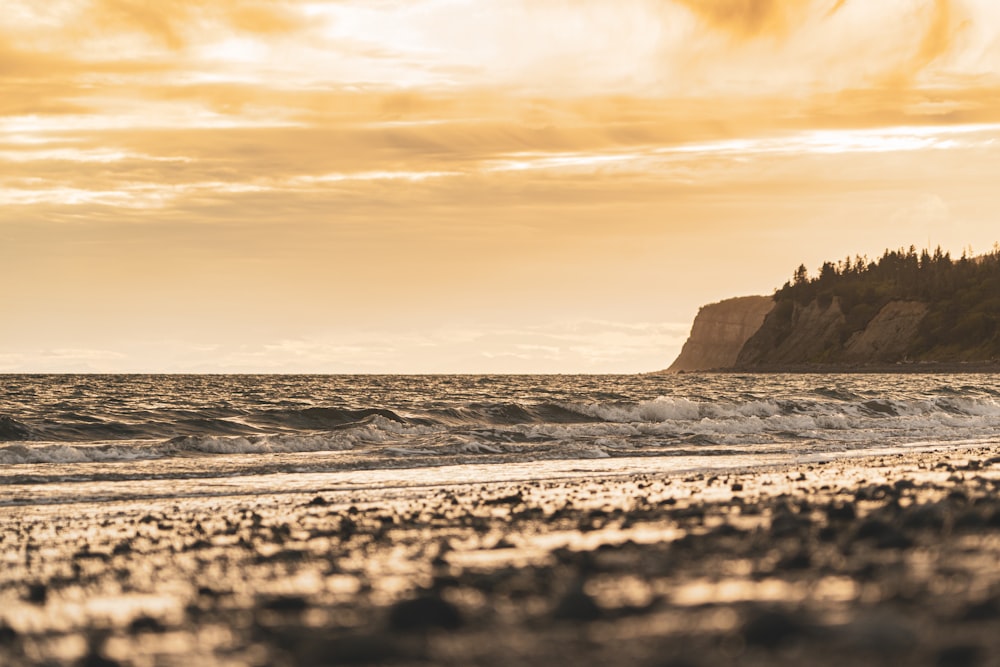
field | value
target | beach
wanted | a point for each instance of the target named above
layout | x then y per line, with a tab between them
866	559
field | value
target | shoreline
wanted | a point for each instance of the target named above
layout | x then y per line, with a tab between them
876	559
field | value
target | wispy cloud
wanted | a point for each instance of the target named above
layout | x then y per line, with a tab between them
271	171
578	347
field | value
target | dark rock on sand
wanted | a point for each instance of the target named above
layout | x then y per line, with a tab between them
884	535
786	524
142	624
95	652
97	660
961	655
882	632
286	604
772	627
512	499
37	594
929	516
676	662
348	650
800	560
875	492
8	635
576	605
986	610
424	613
841	511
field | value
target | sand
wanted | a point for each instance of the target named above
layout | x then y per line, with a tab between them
864	561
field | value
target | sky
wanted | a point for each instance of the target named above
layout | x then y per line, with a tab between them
465	186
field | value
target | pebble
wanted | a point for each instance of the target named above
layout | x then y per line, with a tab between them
577	605
772	627
424	613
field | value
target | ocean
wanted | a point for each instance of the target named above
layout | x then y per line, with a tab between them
100	438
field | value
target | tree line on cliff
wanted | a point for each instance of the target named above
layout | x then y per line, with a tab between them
962	295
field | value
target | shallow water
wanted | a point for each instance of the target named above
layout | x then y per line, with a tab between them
88	437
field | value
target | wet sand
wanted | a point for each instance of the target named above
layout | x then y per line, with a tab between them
891	559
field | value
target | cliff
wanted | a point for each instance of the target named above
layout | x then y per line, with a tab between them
889	336
719	332
903	309
755	333
819	333
793	334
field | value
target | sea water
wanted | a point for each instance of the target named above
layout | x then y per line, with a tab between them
88	438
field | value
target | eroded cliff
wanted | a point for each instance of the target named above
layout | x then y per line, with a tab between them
719	332
755	333
820	334
904	309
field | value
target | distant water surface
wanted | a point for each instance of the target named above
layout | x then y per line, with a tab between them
70	437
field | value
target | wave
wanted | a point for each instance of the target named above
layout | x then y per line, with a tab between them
572	429
180	446
501	414
665	408
11	429
321	418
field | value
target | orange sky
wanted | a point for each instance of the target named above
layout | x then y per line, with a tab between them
464	186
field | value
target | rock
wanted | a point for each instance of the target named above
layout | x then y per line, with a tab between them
286	604
348	650
144	623
794	334
970	520
883	534
875	492
97	660
841	511
677	662
8	635
960	655
786	524
879	632
888	335
37	594
986	610
576	605
512	499
424	613
771	627
719	332
929	516
800	560
95	652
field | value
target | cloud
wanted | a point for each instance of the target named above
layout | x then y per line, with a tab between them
275	170
174	23
61	360
939	37
751	18
596	346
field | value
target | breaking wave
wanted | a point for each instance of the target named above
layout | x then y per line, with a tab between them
824	417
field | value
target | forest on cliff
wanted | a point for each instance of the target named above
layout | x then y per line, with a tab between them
962	296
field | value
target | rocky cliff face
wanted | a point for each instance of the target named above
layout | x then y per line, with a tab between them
720	331
755	333
888	336
793	334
